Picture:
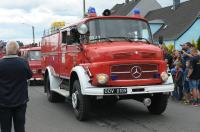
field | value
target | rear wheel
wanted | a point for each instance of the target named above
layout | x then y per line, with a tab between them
158	104
80	103
52	96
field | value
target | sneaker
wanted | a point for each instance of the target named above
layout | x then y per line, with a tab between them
195	103
186	102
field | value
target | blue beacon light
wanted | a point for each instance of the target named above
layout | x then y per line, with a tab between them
136	12
91	10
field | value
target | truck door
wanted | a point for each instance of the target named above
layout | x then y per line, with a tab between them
69	52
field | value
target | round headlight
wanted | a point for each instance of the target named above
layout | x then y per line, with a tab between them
164	76
102	78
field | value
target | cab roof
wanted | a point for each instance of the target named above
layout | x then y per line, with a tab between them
134	17
31	48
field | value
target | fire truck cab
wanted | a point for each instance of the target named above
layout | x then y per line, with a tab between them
33	56
107	58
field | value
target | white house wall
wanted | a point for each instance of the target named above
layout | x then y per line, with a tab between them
193	33
155	27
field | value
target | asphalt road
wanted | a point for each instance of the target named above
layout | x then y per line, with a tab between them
126	116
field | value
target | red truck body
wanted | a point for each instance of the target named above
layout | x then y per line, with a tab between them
116	57
33	56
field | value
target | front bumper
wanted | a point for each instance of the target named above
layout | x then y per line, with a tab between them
164	88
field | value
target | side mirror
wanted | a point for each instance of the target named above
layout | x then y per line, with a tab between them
160	40
82	29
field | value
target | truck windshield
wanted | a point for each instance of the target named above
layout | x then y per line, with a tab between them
118	30
34	55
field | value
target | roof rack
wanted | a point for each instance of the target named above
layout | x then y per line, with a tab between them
55	28
51	31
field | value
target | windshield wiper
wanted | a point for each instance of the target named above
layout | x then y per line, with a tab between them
140	38
125	38
108	39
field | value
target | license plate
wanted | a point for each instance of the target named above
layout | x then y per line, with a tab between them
115	91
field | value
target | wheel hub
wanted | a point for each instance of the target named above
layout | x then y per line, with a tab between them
75	99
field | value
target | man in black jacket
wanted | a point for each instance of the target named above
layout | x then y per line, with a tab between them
14	73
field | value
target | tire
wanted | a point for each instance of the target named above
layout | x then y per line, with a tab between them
80	103
158	104
52	96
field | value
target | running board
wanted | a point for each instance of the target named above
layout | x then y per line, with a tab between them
61	92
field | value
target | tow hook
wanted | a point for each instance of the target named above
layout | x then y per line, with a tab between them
147	102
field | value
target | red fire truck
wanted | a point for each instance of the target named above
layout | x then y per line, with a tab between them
2	52
33	55
107	58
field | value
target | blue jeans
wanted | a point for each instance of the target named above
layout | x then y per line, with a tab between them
178	92
194	84
186	87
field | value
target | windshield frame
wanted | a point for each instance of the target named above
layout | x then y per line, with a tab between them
31	59
112	39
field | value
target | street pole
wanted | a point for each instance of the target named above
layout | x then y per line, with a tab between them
83	8
33	29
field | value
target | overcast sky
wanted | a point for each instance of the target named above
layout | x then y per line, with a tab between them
41	13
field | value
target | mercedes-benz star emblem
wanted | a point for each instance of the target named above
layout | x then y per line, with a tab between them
136	72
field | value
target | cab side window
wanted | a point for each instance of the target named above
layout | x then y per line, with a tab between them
64	37
70	36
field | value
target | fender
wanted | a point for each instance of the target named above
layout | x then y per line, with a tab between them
83	78
54	80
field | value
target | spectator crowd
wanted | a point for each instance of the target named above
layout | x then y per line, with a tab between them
185	69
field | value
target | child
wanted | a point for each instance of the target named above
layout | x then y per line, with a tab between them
178	79
186	84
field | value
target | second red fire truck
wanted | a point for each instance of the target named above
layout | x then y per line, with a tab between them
33	56
107	58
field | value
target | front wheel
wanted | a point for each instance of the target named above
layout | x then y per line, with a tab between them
158	104
80	103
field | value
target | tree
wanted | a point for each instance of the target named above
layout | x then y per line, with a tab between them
20	43
170	48
198	44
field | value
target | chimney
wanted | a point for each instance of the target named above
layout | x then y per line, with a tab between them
127	1
176	4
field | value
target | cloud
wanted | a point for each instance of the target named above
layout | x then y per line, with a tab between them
36	16
40	14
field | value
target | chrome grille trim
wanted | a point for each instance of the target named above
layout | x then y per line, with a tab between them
126	75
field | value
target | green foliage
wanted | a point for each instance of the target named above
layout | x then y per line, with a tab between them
20	43
194	43
198	44
169	48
